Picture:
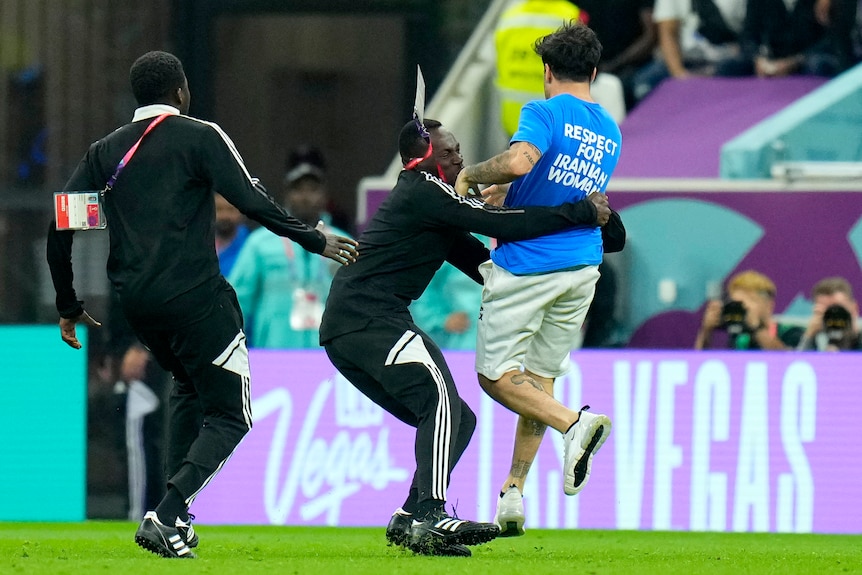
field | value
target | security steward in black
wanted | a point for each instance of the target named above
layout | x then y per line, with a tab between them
164	267
370	336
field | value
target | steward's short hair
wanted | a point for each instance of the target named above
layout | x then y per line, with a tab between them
411	144
572	52
155	75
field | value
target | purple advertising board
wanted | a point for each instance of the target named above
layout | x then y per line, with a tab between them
724	441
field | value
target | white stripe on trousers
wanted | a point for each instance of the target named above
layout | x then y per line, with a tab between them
234	358
411	349
246	408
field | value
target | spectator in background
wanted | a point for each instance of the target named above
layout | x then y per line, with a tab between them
780	38
231	232
834	323
628	36
695	37
310	154
449	307
305	154
280	289
843	29
747	317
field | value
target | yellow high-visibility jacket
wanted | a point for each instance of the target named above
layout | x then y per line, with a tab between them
519	68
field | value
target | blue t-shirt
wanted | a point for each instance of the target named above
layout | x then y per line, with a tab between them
580	145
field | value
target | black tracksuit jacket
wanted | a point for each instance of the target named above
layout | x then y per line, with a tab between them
161	217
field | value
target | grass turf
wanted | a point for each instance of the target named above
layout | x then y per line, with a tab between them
108	547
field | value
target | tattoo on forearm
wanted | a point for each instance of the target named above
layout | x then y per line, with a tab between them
520	378
491	171
529	157
520	468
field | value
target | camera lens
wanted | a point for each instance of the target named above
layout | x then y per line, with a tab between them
733	317
836	323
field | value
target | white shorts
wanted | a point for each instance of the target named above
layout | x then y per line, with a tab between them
531	321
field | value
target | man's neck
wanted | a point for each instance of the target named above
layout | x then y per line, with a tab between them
580	90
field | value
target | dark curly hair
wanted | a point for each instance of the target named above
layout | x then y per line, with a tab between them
411	144
572	52
155	75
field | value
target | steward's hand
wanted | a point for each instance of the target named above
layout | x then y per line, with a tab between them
463	185
67	328
338	248
603	210
495	194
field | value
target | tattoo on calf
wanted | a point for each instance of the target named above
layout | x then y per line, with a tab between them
520	468
520	378
538	428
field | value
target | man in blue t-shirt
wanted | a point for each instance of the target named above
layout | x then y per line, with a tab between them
537	292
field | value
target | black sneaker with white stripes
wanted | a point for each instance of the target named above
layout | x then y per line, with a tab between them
162	540
439	530
398	533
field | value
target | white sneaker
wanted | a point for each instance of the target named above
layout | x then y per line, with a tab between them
580	442
510	513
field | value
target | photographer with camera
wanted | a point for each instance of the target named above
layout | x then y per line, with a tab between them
746	317
834	320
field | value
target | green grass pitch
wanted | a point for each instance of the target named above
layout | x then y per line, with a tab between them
108	547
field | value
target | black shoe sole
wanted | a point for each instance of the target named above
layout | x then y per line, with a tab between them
476	536
452	551
159	549
399	539
581	466
434	542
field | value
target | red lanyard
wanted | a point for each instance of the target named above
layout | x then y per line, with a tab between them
113	179
416	161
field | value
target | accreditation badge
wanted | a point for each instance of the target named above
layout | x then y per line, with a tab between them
79	211
307	311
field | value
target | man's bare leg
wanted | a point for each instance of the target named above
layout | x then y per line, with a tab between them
521	393
528	435
532	398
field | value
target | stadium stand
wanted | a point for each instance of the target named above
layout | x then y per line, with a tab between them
817	135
